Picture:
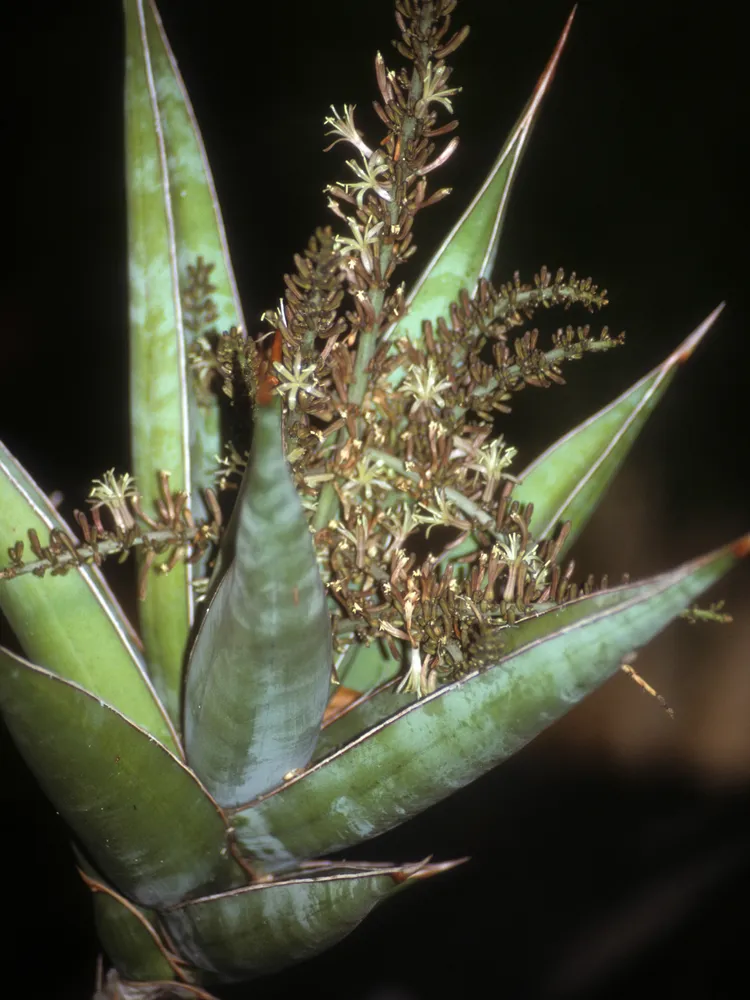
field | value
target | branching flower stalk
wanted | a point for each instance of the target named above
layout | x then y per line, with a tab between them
173	532
383	593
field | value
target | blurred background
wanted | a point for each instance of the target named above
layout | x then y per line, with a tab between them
613	854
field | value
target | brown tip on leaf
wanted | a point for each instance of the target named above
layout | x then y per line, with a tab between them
542	84
686	348
741	547
341	699
90	882
555	57
267	380
423	870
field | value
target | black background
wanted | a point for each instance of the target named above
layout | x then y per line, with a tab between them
587	878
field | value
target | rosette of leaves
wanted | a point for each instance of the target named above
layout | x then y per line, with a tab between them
363	609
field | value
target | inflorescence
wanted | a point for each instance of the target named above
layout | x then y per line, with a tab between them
391	440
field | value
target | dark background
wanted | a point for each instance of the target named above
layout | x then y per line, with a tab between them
613	855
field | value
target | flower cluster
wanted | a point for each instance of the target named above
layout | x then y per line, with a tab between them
391	439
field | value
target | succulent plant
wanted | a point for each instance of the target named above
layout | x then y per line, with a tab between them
349	605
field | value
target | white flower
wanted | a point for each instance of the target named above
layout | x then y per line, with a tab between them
346	130
433	81
361	240
369	175
425	385
298	380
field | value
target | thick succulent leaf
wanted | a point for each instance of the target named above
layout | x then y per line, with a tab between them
141	815
260	668
159	390
469	250
199	235
366	712
567	482
429	749
269	925
72	623
132	940
368	666
127	932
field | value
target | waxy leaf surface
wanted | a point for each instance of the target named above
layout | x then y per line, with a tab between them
429	749
140	814
159	392
199	235
71	624
368	711
177	247
127	932
266	926
260	668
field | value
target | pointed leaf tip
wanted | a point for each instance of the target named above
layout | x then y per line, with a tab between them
688	346
469	251
420	753
557	51
263	927
568	480
258	676
426	869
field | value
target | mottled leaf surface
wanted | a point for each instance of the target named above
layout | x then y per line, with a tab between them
424	752
127	933
267	926
140	814
259	672
159	391
72	624
199	235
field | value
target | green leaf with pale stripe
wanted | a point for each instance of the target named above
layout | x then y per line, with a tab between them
267	926
199	233
260	668
141	815
426	751
469	250
568	481
72	623
159	383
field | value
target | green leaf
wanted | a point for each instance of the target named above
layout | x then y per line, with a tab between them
131	937
429	749
567	482
362	715
141	815
199	234
127	933
368	666
469	250
269	925
260	669
173	218
72	623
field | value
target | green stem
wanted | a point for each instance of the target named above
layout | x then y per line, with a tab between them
328	503
85	555
464	504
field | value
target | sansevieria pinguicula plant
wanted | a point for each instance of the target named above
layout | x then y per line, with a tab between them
350	602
